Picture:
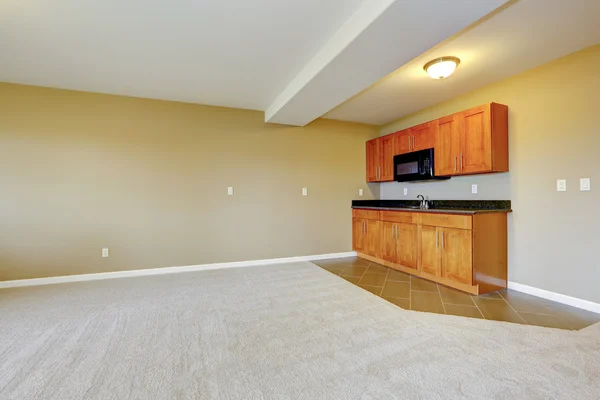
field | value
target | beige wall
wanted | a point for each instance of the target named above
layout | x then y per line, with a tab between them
148	179
553	133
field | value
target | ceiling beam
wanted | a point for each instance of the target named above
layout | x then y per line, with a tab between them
380	37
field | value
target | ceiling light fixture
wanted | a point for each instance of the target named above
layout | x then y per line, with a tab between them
442	67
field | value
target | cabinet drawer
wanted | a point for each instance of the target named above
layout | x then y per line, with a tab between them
447	220
365	214
399	216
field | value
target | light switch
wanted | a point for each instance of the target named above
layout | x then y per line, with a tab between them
230	191
304	191
105	252
474	189
585	184
561	185
360	192
405	191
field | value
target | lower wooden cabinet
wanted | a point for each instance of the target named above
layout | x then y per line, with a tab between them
407	245
358	234
430	251
466	252
399	243
373	238
446	253
456	257
366	235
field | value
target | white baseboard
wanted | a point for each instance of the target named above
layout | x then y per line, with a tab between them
166	270
559	298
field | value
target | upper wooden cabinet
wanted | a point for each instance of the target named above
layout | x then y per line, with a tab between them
373	159
423	136
403	141
474	141
380	159
387	158
418	137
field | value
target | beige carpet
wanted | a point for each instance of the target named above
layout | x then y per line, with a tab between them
289	331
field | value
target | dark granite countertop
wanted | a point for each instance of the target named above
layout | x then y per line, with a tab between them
438	206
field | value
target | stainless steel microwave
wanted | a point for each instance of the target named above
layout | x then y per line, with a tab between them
415	166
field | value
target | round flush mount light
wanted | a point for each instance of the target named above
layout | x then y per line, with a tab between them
442	67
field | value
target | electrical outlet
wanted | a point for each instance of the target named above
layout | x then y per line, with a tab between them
105	252
585	184
230	191
304	191
474	189
360	192
406	191
561	185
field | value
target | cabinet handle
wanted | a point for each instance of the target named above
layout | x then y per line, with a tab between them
413	142
437	238
397	236
461	161
392	231
443	244
455	163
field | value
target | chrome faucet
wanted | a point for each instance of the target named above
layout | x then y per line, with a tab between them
424	205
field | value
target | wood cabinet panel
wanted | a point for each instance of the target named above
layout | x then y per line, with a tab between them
423	136
447	144
372	157
399	216
447	220
373	238
358	234
457	255
388	243
476	141
403	141
365	214
387	158
406	250
430	251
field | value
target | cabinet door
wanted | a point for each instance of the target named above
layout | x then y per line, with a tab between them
358	234
476	141
406	251
457	255
373	238
447	143
423	136
403	141
388	241
387	158
430	250
373	160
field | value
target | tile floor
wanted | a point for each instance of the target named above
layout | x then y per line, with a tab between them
413	293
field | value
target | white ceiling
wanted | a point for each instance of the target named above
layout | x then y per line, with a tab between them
295	59
522	35
235	53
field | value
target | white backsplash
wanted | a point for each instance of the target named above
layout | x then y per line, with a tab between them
490	187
